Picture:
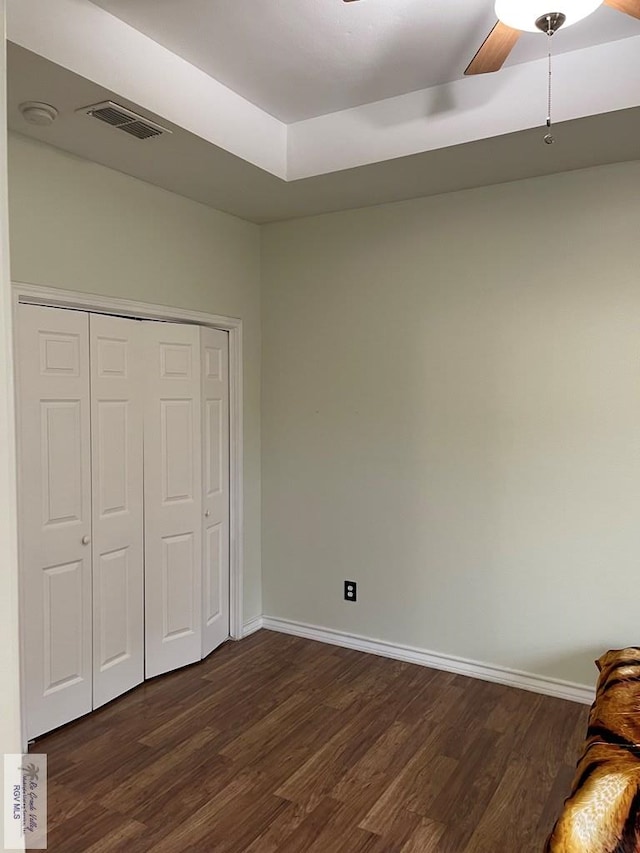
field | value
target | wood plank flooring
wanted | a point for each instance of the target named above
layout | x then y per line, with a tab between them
282	744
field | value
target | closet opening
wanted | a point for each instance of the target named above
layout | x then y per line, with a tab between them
129	449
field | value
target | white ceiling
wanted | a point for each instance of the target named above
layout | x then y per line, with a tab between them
301	58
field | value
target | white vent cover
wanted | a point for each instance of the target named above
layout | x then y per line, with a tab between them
124	119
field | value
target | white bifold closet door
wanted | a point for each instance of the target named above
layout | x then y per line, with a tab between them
55	515
215	443
117	383
173	497
124	504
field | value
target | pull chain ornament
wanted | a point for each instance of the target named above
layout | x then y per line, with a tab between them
548	138
550	24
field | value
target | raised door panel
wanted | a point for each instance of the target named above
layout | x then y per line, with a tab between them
54	514
176	451
214	412
117	381
61	445
214	567
179	618
215	425
173	497
111	578
112	425
63	653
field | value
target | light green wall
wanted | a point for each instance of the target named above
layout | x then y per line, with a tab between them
80	226
451	417
450	403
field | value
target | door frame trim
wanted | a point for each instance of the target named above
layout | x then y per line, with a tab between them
57	298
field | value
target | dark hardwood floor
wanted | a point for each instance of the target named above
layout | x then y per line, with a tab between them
282	744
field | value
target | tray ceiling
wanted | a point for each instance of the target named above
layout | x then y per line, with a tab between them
326	60
301	58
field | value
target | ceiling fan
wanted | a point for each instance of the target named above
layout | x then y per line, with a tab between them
514	16
532	15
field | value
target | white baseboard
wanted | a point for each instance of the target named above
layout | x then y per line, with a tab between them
252	626
486	672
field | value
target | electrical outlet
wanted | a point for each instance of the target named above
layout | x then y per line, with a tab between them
350	591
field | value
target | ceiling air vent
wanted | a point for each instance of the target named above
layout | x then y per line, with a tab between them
124	119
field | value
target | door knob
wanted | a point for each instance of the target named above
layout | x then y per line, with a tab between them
207	513
86	540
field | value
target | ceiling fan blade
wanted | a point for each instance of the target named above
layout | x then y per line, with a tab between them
495	49
629	7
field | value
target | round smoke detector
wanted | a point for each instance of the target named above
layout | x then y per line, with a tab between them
36	113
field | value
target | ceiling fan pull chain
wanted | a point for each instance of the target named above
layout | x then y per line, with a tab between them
548	136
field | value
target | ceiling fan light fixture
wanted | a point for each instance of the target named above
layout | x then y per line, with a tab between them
523	14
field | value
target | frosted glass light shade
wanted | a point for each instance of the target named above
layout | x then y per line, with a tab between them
523	14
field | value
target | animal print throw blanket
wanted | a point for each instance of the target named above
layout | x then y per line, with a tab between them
602	814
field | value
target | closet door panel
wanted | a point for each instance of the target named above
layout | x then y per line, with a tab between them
117	382
54	514
215	426
173	497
